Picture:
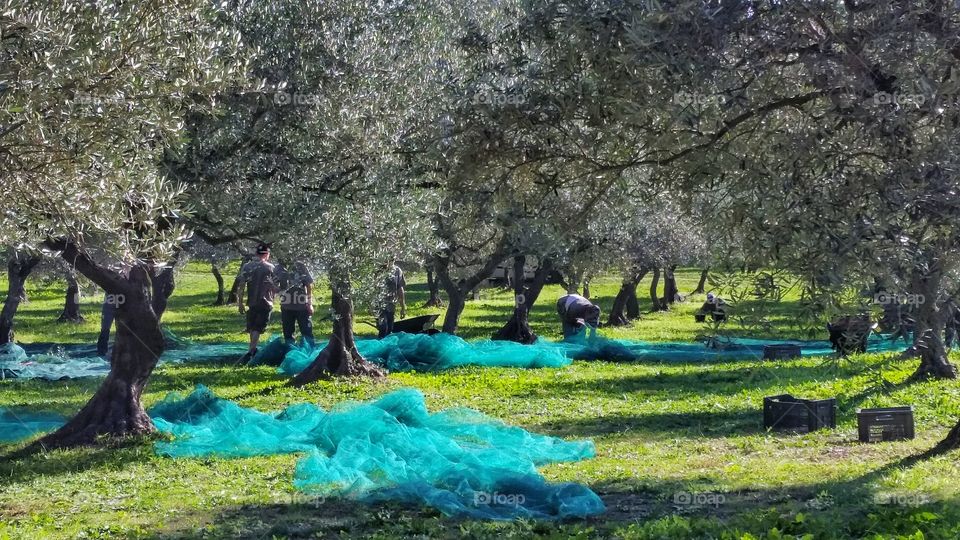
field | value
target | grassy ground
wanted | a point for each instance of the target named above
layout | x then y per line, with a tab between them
665	433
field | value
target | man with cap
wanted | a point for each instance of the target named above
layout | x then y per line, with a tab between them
576	312
257	276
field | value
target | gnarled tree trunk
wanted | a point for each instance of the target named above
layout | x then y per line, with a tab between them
221	294
518	327
163	284
115	409
340	357
621	313
434	288
234	296
18	268
702	284
654	283
951	442
457	291
71	304
669	287
929	325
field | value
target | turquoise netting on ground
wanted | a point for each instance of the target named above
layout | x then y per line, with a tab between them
16	425
458	460
412	352
422	352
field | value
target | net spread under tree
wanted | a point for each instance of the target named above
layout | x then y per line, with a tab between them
458	460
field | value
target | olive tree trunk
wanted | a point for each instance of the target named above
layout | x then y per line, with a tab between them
434	287
71	303
654	283
669	287
115	410
621	313
217	275
518	327
457	291
18	268
340	358
930	322
702	284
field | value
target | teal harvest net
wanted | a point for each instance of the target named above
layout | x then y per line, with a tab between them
413	352
422	352
16	425
393	449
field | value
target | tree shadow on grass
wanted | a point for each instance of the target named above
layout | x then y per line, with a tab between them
701	424
18	467
698	382
627	500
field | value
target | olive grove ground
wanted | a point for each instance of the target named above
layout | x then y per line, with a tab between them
681	451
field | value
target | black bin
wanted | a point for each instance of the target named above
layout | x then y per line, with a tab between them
787	413
885	424
781	352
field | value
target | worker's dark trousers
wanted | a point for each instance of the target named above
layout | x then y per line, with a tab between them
290	318
589	314
107	314
385	322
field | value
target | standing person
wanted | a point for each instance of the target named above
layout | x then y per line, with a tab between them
394	290
296	301
257	276
576	312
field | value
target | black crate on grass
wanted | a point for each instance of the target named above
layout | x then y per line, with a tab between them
787	413
886	424
781	352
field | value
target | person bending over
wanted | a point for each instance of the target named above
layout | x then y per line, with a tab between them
576	312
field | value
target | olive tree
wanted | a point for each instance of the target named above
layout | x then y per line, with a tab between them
91	95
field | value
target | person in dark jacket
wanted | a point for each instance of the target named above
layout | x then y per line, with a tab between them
394	291
258	277
296	300
576	312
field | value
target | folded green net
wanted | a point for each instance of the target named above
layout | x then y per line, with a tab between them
393	449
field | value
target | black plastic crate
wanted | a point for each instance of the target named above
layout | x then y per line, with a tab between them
787	413
885	424
781	352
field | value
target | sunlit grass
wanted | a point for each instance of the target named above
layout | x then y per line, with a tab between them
659	428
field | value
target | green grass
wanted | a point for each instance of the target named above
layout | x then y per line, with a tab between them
659	429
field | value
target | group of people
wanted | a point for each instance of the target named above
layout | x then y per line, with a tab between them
291	286
266	283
